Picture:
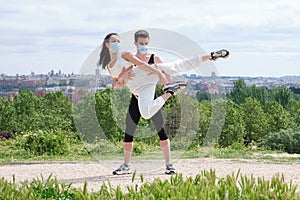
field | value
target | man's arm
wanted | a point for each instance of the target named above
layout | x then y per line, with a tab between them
158	59
143	65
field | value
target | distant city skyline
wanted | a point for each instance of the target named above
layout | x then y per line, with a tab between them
40	36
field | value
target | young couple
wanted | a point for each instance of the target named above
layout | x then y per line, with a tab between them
140	73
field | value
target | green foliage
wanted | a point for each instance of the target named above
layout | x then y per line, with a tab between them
255	119
293	108
279	118
217	121
30	113
251	113
7	115
282	95
240	92
203	96
205	185
286	140
204	108
105	115
39	188
47	142
234	128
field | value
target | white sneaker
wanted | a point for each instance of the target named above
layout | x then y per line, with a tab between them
174	87
170	169
123	169
223	53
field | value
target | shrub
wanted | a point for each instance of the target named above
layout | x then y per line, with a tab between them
286	140
47	142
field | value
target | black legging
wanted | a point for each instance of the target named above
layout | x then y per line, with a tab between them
132	119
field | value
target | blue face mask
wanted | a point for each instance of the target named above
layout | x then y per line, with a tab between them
114	47
142	49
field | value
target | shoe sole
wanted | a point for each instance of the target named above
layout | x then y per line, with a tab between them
121	173
180	84
170	172
224	57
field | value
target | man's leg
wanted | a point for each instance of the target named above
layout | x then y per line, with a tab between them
158	121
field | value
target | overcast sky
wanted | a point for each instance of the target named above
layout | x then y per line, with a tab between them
262	36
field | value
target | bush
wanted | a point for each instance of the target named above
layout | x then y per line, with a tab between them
285	140
47	142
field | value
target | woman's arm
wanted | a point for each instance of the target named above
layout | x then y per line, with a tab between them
143	65
125	75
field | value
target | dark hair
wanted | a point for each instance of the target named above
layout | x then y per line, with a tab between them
141	34
104	54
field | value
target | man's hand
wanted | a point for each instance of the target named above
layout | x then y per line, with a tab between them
163	77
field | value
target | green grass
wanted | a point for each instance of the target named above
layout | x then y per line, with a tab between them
205	185
105	150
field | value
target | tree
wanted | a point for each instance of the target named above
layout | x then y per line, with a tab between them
7	115
217	121
86	121
240	92
282	95
204	108
279	118
25	104
56	112
105	116
255	119
294	109
234	127
262	94
202	96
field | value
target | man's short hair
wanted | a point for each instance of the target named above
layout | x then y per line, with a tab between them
141	34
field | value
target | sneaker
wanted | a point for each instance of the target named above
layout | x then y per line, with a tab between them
123	169
170	169
223	53
174	87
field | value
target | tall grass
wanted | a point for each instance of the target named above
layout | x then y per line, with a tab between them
205	185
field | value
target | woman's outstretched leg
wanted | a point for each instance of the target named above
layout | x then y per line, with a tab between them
183	65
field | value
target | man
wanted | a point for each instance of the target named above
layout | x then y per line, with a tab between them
141	40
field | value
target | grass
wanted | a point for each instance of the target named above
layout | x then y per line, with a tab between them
105	150
205	185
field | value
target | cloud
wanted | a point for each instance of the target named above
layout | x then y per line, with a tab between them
57	27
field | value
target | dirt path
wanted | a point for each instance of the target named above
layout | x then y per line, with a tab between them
97	172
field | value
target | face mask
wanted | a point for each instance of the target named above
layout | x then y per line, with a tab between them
114	47
142	49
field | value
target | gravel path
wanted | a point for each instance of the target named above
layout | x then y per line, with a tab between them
97	172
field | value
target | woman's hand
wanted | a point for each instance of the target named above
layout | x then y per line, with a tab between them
125	75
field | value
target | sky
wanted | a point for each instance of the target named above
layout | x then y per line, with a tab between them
40	36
